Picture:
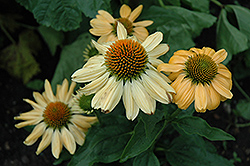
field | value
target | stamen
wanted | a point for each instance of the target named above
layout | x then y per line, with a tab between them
126	58
56	114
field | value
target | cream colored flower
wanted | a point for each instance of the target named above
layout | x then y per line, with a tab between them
126	68
199	76
54	120
105	25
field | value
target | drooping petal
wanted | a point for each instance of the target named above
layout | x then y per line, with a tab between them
221	89
165	67
132	110
56	144
79	136
121	31
224	71
142	98
68	140
96	85
188	98
107	16
35	134
46	140
152	41
125	11
135	13
214	98
144	23
200	98
220	56
141	33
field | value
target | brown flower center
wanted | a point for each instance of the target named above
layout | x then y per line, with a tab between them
56	114
201	68
126	23
126	58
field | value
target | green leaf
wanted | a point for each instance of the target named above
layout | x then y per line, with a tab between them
242	14
36	84
71	59
90	7
178	25
59	14
192	150
140	142
196	125
18	58
64	156
103	143
229	37
146	158
199	5
52	37
243	108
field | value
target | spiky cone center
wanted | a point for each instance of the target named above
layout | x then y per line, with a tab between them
126	59
201	69
126	23
57	114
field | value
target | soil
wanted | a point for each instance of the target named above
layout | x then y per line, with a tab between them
14	153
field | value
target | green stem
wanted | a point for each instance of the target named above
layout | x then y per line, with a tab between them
217	3
241	90
161	3
159	149
243	125
175	113
7	34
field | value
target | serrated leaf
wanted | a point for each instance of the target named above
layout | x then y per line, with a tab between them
242	14
18	58
178	25
52	37
243	108
192	150
59	14
199	5
139	141
146	158
196	125
103	144
93	6
229	37
71	59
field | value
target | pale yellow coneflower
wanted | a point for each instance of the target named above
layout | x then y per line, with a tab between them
199	76
126	68
104	25
54	120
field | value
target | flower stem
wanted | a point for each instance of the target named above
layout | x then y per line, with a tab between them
175	113
217	3
7	34
241	90
243	125
161	3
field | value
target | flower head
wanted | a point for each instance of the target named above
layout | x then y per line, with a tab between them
199	76
105	25
126	68
54	120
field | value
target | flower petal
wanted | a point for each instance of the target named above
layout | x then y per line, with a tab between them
177	60
95	85
144	23
121	31
188	98
33	104
221	89
224	71
213	99
220	56
100	24
125	11
29	122
152	41
48	91
165	67
200	98
106	38
46	140
56	144
158	50
68	140
132	110
35	134
39	99
100	31
107	16
101	48
141	33
78	135
135	13
208	51
142	98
